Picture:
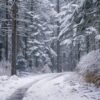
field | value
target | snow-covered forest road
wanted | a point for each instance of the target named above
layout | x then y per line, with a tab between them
19	93
61	86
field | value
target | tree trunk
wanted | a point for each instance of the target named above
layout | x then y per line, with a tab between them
79	52
87	44
6	44
59	69
14	37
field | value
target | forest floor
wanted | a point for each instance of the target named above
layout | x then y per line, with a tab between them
56	86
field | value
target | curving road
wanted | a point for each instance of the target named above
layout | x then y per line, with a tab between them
57	86
20	92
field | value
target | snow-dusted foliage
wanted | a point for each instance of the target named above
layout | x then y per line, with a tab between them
5	68
49	33
66	16
90	63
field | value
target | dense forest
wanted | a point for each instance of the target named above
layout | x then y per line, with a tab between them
49	49
47	35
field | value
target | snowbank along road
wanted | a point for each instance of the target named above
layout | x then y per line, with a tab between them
61	86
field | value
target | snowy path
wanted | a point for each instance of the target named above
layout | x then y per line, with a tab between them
19	93
66	86
61	86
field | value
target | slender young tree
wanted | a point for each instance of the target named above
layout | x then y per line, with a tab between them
58	42
6	25
14	37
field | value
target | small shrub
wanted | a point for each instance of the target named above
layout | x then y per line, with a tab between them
92	77
89	67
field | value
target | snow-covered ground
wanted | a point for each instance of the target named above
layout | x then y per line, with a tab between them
61	86
8	85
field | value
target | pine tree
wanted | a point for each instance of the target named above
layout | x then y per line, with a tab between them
14	36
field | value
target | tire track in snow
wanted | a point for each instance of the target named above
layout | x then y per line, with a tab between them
19	93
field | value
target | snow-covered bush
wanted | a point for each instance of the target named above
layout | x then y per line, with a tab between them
89	67
5	68
46	69
21	62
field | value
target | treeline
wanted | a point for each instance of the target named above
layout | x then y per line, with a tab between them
48	36
27	33
80	28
